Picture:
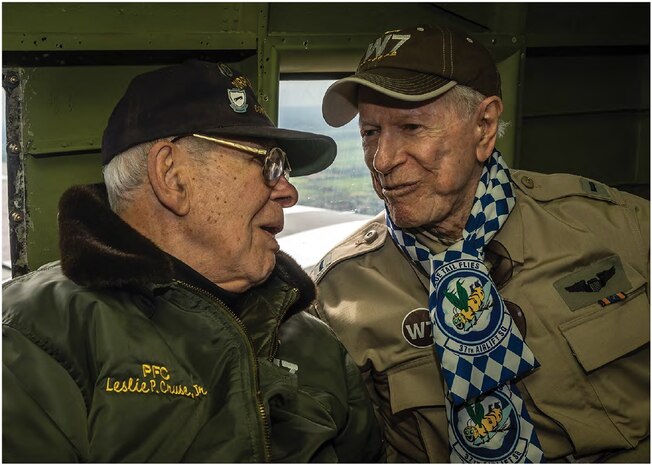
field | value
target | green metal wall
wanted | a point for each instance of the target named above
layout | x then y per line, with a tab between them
586	92
577	96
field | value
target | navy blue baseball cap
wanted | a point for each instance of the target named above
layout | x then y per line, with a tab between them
205	98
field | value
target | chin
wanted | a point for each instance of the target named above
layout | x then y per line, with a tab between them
267	265
405	219
414	216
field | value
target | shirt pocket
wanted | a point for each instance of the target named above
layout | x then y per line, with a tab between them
611	345
415	384
416	392
607	334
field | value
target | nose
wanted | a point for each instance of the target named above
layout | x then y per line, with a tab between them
284	193
387	155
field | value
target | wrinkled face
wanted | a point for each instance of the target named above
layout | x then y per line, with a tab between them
422	159
236	215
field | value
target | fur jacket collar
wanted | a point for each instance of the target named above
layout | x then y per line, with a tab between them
100	250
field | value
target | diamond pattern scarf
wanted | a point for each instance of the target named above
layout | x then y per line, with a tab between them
479	348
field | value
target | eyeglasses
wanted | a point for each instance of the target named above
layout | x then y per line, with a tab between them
275	162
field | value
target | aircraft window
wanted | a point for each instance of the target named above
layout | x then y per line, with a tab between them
332	203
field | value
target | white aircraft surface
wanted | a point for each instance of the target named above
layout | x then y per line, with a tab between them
310	232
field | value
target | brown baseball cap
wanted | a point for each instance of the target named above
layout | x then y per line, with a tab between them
414	64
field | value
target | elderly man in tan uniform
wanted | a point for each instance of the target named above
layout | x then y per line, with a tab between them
497	315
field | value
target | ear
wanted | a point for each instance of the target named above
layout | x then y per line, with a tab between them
488	115
168	176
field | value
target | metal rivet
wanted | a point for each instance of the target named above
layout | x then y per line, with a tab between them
13	148
16	217
370	236
11	80
528	182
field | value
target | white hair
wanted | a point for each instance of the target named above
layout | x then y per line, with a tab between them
466	101
127	171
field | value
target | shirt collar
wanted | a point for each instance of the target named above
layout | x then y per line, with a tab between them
511	237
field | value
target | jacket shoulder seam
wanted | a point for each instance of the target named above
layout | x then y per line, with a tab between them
368	238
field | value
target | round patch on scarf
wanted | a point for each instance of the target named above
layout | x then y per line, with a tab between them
489	430
469	312
417	328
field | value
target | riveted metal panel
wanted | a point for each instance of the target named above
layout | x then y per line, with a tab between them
18	221
66	108
128	26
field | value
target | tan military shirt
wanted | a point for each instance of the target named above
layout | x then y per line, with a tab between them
568	243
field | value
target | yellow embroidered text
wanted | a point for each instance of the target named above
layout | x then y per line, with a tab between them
156	380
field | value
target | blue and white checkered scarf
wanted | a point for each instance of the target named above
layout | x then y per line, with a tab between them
480	350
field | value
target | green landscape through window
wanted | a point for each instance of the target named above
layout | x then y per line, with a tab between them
345	185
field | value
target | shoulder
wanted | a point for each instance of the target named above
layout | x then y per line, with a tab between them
45	291
368	238
559	186
584	200
46	306
23	294
303	335
565	207
303	325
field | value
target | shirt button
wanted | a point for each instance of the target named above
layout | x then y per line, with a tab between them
528	182
370	236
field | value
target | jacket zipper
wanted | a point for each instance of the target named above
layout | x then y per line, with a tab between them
288	303
260	406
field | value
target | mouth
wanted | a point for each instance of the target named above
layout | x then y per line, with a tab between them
396	190
273	230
